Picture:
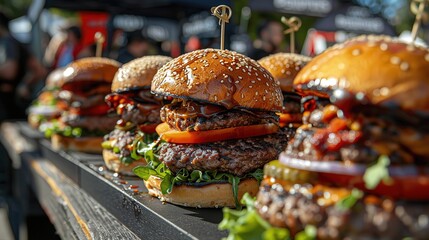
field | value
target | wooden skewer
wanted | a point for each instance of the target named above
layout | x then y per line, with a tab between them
99	39
418	8
224	13
294	23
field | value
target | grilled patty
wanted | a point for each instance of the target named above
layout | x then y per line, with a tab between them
187	116
237	157
384	219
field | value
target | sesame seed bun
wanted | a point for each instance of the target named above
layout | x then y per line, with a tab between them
221	77
386	70
284	67
90	69
138	73
208	196
79	144
113	163
55	78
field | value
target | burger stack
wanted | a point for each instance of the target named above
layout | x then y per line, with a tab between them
138	109
82	126
358	166
47	107
219	130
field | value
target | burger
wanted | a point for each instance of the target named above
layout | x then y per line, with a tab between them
218	131
82	126
47	106
138	109
284	67
358	167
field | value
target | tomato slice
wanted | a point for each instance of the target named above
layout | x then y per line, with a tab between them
286	118
101	109
408	182
148	128
194	137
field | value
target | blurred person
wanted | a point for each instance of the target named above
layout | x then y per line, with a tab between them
137	46
64	47
270	38
19	71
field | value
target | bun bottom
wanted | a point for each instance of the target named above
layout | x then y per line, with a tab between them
113	163
213	195
81	144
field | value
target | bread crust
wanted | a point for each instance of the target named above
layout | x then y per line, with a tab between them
138	73
113	163
221	77
208	196
80	144
284	67
387	70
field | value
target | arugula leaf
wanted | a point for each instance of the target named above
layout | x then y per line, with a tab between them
349	201
169	179
377	173
309	233
247	224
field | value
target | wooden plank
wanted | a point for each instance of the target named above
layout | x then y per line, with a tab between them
75	214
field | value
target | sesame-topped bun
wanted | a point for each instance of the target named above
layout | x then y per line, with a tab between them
400	78
284	67
91	69
138	73
55	78
221	77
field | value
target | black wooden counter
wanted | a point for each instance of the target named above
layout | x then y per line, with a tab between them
124	200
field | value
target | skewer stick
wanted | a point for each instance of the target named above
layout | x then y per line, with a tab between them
99	39
294	23
418	8
224	13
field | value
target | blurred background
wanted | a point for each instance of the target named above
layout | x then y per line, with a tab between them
41	35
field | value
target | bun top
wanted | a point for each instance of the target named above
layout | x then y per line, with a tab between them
91	69
138	73
55	78
386	70
221	77
284	67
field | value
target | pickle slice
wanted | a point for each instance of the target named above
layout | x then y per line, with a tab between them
277	170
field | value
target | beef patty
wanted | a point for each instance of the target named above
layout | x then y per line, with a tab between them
237	157
192	116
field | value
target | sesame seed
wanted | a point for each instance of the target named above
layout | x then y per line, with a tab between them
427	57
256	93
237	82
355	52
263	98
258	78
240	77
215	97
404	66
252	81
250	86
383	47
242	95
221	81
395	60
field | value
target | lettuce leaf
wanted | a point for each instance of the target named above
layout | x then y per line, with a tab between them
247	224
158	169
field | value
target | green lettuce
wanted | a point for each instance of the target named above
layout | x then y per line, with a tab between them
169	179
247	224
377	173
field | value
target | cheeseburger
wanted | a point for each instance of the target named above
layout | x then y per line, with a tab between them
82	126
358	167
139	111
284	67
219	130
47	106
